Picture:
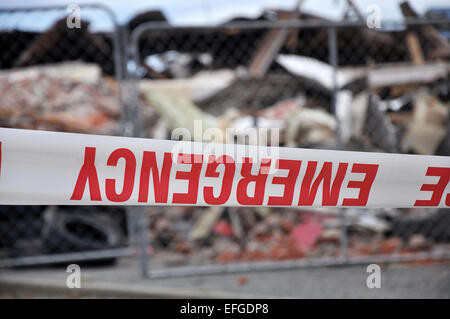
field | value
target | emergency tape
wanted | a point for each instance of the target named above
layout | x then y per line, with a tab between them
50	168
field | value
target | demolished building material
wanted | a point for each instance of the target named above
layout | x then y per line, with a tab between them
47	47
427	127
215	75
70	97
438	46
407	74
272	43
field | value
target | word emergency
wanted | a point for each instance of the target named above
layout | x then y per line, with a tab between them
50	168
237	178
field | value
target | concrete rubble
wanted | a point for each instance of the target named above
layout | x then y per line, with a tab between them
399	104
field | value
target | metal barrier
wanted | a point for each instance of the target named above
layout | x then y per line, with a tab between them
325	85
52	77
342	81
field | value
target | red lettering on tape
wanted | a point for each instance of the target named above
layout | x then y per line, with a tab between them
247	177
329	196
227	180
88	174
288	182
437	189
364	186
160	182
191	176
128	179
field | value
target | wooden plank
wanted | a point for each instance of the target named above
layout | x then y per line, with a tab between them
271	45
415	51
440	46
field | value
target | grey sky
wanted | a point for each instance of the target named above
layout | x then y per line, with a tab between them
217	11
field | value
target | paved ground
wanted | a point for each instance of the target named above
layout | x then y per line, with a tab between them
124	280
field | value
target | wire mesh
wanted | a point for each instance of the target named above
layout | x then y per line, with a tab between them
324	85
59	76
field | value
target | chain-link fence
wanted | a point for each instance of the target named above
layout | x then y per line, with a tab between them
323	85
59	73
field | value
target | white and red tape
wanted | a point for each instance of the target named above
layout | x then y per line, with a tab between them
49	168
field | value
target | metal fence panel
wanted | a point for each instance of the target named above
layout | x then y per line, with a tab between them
61	78
325	85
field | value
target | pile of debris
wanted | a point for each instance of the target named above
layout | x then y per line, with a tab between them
68	97
391	94
392	106
189	235
22	48
398	107
168	54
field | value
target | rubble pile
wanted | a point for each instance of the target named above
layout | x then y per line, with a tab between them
187	235
68	97
391	94
400	107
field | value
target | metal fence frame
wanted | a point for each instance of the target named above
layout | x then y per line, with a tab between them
118	70
344	258
125	47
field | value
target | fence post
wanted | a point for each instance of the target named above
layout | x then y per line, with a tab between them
132	127
46	14
333	59
143	224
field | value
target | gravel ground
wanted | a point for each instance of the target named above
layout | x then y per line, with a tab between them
124	280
